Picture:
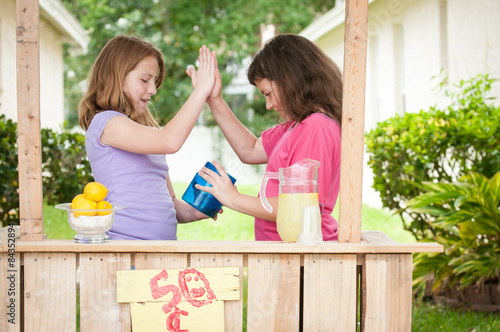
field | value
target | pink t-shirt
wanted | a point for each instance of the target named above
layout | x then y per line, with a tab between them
317	137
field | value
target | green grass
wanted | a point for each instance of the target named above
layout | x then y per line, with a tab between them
437	317
234	226
55	223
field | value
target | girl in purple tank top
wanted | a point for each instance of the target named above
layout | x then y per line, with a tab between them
125	145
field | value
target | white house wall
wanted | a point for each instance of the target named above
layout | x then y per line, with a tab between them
410	41
8	78
475	42
51	78
52	113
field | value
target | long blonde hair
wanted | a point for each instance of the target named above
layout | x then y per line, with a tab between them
105	92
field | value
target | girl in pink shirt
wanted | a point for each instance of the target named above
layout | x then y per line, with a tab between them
304	86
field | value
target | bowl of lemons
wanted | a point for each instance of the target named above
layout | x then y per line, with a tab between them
90	215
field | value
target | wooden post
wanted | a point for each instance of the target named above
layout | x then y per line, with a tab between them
353	113
28	121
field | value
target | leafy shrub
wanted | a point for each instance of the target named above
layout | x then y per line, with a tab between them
9	198
435	145
65	168
467	215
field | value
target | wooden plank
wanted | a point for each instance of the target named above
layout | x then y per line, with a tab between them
330	298
10	290
240	247
388	292
49	292
233	310
145	261
28	121
353	113
273	293
99	310
376	237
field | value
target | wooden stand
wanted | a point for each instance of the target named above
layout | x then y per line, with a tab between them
44	284
58	272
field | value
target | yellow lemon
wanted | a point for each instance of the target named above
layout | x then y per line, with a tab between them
76	199
104	205
95	191
85	204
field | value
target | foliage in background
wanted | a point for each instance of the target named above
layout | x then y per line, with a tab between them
439	145
466	217
178	28
9	199
65	168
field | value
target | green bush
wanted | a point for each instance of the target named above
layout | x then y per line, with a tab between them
467	215
9	201
439	145
65	168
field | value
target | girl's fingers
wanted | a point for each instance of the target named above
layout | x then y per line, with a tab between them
219	168
214	57
191	71
207	172
207	57
202	188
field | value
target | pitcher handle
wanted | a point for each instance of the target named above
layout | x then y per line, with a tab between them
263	199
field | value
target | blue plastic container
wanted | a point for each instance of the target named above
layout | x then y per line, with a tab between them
201	200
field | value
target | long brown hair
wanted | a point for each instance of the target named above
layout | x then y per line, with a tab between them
117	58
307	80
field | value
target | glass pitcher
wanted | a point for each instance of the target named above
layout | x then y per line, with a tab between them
298	187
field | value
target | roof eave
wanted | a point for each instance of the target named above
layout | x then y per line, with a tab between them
65	22
332	19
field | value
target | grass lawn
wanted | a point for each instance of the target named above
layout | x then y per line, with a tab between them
233	226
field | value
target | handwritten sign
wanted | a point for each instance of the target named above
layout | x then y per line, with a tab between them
178	300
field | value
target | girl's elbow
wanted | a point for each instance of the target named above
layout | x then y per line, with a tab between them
171	147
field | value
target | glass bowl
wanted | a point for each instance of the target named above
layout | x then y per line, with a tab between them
90	229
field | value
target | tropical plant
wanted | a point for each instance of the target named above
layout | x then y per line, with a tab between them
466	215
438	145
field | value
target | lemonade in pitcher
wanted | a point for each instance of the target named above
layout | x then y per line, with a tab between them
298	186
289	213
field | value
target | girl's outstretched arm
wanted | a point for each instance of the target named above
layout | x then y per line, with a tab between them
227	193
123	133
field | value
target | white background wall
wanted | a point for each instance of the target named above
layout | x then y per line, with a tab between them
51	69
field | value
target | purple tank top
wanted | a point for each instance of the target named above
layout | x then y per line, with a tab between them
135	180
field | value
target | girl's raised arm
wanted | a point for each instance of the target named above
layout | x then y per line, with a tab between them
245	144
123	133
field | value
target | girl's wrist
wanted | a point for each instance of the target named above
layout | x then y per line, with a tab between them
200	91
215	101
